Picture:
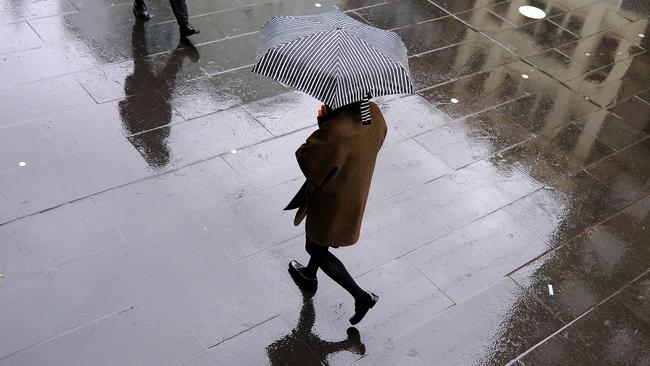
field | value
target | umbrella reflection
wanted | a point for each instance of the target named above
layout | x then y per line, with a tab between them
146	107
284	350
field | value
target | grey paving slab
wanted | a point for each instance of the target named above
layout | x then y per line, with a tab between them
395	160
562	211
29	9
594	334
393	353
87	173
43	241
285	113
627	165
406	299
6	214
228	54
475	191
557	351
151	333
582	273
472	94
155	203
127	274
270	343
471	259
27	144
199	139
33	310
456	61
410	116
19	36
631	226
401	13
494	327
253	223
381	241
628	75
472	138
51	61
106	83
54	95
271	162
83	128
236	298
222	91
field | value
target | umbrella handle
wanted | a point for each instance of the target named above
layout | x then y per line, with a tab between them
365	110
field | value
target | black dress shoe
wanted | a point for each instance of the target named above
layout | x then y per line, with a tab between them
187	30
361	307
296	270
140	10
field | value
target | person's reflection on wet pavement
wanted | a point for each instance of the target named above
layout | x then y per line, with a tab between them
283	351
146	107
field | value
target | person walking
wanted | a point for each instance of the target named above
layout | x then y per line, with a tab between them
179	7
338	161
343	63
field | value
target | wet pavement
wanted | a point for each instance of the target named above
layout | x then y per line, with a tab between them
142	181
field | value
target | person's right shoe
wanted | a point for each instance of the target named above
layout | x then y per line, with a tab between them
187	30
362	307
140	10
296	270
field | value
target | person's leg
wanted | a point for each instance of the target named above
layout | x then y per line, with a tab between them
333	268
182	18
180	11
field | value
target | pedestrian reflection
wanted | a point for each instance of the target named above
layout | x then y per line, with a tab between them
148	91
284	351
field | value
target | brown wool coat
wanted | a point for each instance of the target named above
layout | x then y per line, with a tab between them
338	161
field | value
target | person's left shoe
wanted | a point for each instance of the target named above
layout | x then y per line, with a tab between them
187	30
296	270
140	10
362	307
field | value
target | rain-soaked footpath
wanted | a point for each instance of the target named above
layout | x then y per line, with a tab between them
142	182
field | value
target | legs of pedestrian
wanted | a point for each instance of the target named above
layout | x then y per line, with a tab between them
180	12
321	257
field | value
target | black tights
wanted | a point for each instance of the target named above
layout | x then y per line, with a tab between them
320	257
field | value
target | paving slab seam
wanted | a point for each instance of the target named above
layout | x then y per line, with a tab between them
582	315
221	155
591	165
641	99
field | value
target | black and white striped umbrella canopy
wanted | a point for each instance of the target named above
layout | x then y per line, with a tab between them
334	58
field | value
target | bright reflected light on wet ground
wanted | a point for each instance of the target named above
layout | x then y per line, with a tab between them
532	12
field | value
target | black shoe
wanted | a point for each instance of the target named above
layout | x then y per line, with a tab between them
361	307
187	30
140	10
296	270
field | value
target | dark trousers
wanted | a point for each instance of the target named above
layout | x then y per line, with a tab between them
180	11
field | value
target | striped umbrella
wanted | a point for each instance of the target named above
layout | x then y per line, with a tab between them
333	58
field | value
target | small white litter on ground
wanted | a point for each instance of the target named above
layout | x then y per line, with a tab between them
454	100
22	163
550	289
233	151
